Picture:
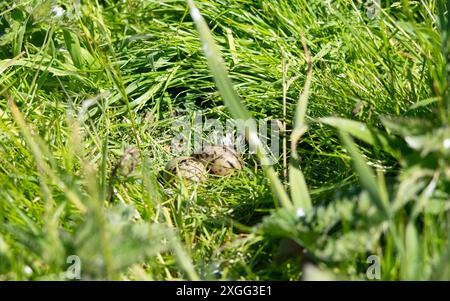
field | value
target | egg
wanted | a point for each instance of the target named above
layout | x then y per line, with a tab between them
220	160
187	168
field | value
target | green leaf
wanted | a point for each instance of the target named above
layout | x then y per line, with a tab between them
18	39
366	176
299	191
45	65
74	48
420	135
411	258
5	64
423	103
359	130
441	271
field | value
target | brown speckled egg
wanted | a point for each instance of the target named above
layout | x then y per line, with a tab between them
187	168
220	160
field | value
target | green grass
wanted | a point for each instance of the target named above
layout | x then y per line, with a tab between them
78	91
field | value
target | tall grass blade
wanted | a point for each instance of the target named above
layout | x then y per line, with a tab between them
411	260
366	176
232	100
74	48
299	190
37	154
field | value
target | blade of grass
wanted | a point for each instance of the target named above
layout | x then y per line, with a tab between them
299	190
18	41
74	48
362	132
366	176
7	63
42	165
411	255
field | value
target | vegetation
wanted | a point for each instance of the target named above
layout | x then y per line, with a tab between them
90	91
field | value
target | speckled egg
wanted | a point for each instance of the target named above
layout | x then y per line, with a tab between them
188	168
220	160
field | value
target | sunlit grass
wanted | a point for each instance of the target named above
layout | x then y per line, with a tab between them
78	90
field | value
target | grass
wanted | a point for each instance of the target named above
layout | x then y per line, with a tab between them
80	90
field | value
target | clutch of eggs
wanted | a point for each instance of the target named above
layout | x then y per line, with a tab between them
187	168
215	159
220	160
